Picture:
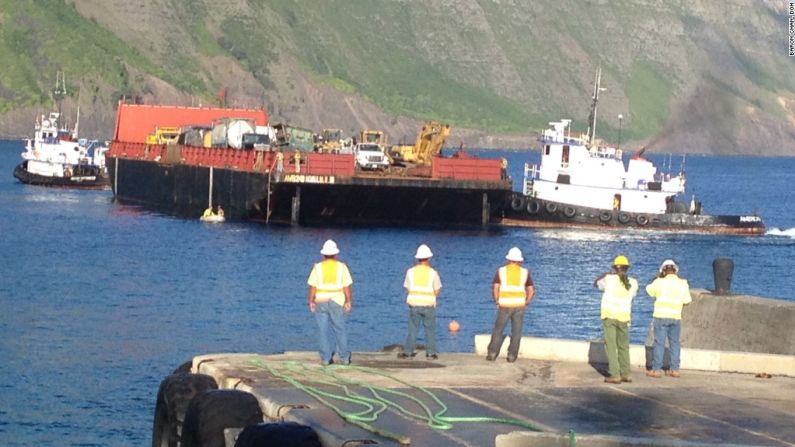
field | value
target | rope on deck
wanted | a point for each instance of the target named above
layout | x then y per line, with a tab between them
308	379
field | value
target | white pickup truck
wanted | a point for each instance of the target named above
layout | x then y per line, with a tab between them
370	156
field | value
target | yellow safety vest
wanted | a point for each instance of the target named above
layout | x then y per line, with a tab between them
329	284
670	293
421	292
616	299
512	291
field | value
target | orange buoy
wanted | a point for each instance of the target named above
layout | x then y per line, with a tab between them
453	326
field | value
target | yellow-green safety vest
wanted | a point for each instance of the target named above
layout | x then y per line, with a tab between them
421	291
670	293
329	284
616	299
512	291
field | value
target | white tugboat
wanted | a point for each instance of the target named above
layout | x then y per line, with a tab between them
581	184
56	157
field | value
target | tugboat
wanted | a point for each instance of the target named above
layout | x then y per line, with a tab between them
56	157
581	184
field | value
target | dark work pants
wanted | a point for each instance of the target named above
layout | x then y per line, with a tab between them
516	315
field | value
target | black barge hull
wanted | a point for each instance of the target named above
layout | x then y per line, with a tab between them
521	211
184	190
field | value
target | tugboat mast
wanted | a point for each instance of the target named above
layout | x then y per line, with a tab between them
597	87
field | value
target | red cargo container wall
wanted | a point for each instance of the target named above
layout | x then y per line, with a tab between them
466	169
328	164
135	121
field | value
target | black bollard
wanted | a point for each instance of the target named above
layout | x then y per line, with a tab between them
722	269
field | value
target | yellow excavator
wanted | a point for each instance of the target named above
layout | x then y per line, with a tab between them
372	136
429	143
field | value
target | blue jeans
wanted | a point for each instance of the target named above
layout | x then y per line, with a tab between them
331	312
516	316
427	316
670	329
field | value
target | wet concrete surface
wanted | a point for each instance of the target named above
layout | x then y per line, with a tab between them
706	407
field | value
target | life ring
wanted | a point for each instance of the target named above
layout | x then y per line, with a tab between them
517	203
605	216
533	207
642	220
569	211
551	207
623	217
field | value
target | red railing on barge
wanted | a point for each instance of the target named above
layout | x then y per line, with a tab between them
238	159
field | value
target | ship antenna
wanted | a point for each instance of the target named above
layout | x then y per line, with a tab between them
592	117
59	93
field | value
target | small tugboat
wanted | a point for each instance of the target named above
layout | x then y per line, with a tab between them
56	157
581	184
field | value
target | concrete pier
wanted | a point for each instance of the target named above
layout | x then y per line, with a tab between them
560	398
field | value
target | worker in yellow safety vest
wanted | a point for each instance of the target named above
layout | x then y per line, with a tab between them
512	290
616	310
422	284
329	297
670	293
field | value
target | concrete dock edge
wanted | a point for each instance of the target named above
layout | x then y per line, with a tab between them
693	359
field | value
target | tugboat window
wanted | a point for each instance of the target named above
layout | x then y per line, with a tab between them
546	149
564	161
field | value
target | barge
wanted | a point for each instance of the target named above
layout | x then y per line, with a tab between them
310	188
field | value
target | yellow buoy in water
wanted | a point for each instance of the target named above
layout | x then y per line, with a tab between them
453	326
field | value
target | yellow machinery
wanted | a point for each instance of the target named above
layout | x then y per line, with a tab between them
372	136
163	135
429	142
331	141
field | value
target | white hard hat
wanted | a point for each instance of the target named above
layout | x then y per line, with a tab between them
667	263
329	248
423	252
514	254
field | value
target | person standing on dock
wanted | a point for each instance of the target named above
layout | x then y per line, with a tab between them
670	293
329	298
422	285
512	290
297	160
616	309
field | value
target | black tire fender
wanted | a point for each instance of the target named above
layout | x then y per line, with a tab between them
517	203
533	207
288	434
623	218
605	216
569	211
551	207
173	397
642	219
211	412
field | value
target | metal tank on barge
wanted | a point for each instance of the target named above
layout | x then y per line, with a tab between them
184	175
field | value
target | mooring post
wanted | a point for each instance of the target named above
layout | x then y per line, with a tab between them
296	210
485	212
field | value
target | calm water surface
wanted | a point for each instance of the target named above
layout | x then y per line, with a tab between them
101	301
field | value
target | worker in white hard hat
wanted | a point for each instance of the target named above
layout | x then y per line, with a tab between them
670	293
615	311
512	290
330	297
422	286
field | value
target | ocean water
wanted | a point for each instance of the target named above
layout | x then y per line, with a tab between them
101	301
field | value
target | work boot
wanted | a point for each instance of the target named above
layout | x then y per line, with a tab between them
613	379
511	359
403	355
672	373
432	357
491	357
655	374
626	379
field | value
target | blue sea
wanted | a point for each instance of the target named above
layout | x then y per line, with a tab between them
101	301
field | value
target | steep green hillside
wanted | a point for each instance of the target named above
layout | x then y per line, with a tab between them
502	67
